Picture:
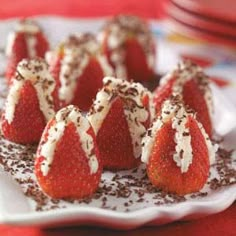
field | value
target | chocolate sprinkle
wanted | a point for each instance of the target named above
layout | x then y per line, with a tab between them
118	191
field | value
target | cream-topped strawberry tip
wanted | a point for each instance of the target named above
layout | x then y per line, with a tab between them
77	51
187	70
84	42
30	29
173	110
67	115
27	26
117	30
136	114
36	71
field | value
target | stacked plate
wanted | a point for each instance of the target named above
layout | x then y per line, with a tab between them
211	20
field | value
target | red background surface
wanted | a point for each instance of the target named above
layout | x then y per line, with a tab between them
223	223
80	8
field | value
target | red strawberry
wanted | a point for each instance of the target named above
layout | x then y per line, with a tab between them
178	164
19	51
162	93
193	97
78	67
67	164
129	47
42	45
192	84
54	62
136	62
27	41
88	85
120	116
114	140
29	103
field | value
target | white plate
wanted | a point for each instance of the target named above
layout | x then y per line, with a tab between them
129	220
16	208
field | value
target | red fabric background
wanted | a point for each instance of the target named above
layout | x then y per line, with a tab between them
223	223
81	8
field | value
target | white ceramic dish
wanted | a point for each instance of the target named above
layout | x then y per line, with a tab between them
16	208
120	220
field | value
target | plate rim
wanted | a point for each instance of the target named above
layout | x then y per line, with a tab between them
223	198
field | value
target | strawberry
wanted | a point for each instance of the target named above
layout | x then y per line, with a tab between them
192	85
19	51
120	116
114	139
27	41
194	98
29	103
177	150
42	44
78	67
136	62
54	62
88	85
67	163
162	93
129	47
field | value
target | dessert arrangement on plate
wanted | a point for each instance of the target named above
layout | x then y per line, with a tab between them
80	126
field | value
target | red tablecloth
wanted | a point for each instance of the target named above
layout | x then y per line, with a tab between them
80	8
220	224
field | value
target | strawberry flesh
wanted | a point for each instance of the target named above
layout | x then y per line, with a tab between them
194	98
88	85
114	140
136	61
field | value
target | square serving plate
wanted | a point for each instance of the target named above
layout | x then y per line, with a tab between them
125	199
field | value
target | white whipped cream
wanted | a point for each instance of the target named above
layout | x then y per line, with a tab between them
65	116
10	41
212	148
135	116
12	99
72	67
184	153
106	68
36	71
31	42
27	26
